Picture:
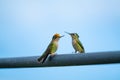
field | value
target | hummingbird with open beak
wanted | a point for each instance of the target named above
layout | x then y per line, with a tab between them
77	45
51	49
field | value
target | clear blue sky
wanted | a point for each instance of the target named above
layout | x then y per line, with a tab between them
27	26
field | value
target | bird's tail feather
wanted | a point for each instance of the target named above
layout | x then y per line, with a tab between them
45	57
40	58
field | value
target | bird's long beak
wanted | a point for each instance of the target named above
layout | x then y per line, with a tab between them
61	36
68	33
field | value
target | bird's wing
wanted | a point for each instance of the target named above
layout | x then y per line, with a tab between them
50	49
78	41
43	57
47	52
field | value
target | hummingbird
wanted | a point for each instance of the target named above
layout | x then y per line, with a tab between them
51	49
77	45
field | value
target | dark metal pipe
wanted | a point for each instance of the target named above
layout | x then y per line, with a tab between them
74	59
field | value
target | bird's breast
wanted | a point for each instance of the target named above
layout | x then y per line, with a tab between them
73	42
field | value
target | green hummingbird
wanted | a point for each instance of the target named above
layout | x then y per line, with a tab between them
77	45
51	49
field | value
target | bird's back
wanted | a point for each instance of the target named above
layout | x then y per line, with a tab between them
78	45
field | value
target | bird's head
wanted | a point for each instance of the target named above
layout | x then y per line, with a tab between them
57	36
73	35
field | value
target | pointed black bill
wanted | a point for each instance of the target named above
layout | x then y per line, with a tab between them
68	33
